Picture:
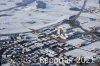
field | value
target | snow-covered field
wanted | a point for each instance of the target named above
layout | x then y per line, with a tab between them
92	46
16	19
75	42
79	53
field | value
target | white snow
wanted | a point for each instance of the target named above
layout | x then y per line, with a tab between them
92	46
79	52
8	64
75	42
43	17
13	28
